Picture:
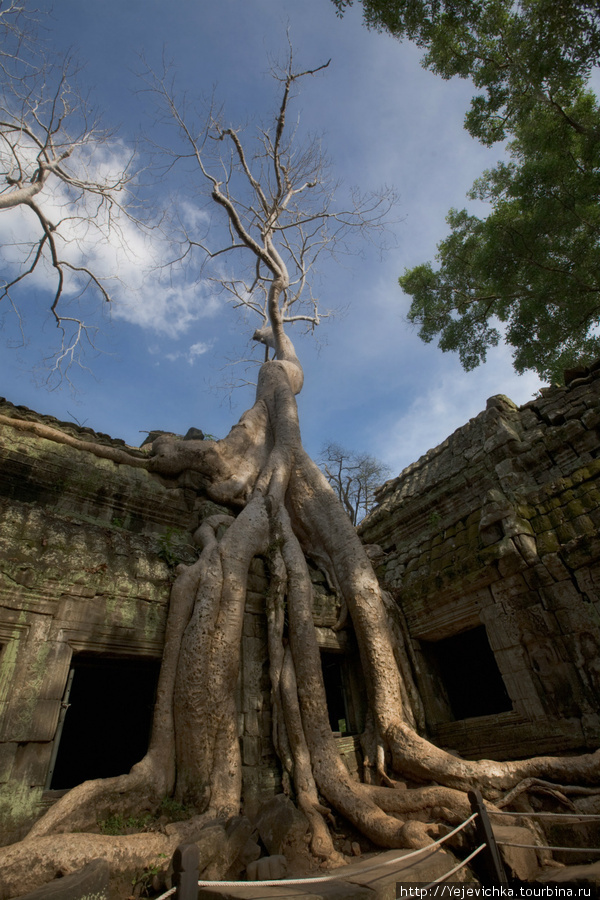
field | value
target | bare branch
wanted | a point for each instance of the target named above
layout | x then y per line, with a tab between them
353	476
53	155
279	206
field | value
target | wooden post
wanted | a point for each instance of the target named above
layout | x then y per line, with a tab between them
185	872
485	835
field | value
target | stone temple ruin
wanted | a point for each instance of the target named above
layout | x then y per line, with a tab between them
488	545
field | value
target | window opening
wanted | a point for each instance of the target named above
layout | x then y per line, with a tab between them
469	673
333	678
107	722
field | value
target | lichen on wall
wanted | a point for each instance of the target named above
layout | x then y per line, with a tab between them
498	527
87	549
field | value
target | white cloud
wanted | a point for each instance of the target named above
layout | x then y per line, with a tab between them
198	350
190	354
126	258
451	398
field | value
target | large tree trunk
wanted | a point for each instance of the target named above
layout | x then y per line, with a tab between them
288	512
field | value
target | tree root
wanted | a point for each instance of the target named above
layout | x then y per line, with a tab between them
131	457
24	867
558	791
288	513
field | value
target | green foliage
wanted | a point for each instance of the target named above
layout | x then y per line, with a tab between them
143	882
530	271
118	824
174	810
532	267
434	518
170	546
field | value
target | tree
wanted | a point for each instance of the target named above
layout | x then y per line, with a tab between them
530	270
62	183
278	504
354	478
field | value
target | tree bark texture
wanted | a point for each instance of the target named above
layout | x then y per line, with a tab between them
287	513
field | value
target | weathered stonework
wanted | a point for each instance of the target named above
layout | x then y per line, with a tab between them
498	527
491	537
84	552
87	555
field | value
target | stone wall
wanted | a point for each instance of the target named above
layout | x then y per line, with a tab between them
87	555
494	537
490	548
88	549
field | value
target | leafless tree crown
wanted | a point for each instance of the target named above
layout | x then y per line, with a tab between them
58	179
279	200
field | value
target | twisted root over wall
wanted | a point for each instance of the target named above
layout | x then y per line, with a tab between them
286	511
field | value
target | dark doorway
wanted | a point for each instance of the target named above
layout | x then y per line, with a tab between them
107	724
467	669
333	677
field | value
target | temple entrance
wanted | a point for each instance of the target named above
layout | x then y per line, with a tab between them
332	663
344	690
107	721
466	669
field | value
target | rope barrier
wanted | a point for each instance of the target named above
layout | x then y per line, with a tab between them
543	847
319	879
563	816
285	882
167	894
461	865
424	852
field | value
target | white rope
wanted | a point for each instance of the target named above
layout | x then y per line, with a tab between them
543	847
461	865
319	879
430	848
574	815
167	894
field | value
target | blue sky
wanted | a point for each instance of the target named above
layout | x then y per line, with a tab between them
370	384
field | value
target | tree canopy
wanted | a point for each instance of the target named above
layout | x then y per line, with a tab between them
530	270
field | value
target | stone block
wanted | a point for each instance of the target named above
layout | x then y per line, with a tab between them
521	862
591	418
538	577
527	547
57	665
255	601
251	723
584	524
519	685
547	543
514	524
269	868
541	523
510	561
509	587
563	594
586	443
31	763
33	723
555	566
566	532
89	882
588	582
251	750
7	756
511	660
281	825
225	863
